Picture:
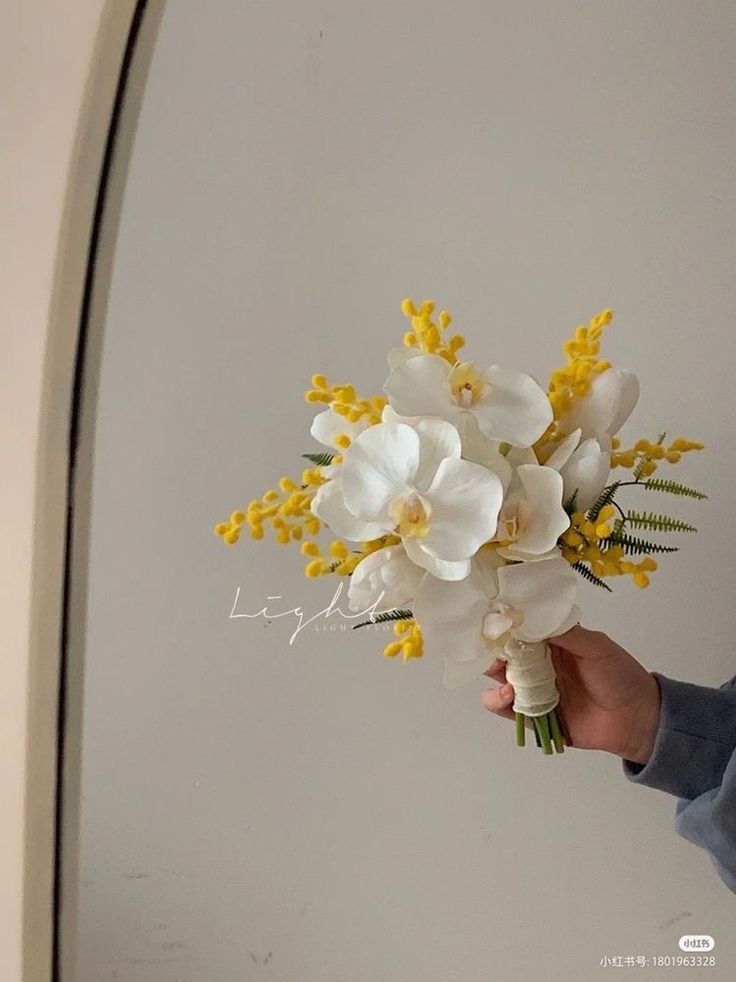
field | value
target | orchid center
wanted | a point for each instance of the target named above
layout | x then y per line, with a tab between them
467	387
411	515
500	620
513	520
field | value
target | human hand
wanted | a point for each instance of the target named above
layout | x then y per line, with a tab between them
608	701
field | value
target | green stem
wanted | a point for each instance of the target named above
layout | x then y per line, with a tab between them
547	740
543	729
547	732
620	510
557	737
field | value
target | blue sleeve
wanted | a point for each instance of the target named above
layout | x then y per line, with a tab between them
694	759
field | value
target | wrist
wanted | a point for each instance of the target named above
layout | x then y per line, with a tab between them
644	724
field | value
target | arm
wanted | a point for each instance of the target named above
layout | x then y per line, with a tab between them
674	736
694	759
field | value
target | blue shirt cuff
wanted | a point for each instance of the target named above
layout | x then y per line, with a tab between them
695	739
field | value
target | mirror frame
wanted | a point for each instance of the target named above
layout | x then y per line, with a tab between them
62	122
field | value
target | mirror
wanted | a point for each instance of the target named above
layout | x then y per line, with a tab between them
239	807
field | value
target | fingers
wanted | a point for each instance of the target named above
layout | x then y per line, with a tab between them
497	671
564	727
499	700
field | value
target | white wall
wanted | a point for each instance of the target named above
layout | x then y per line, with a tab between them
317	813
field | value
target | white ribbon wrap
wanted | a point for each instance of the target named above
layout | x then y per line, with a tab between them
530	670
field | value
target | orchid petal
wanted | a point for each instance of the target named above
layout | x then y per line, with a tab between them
586	472
517	456
611	400
564	451
545	592
438	440
386	577
441	568
418	387
465	499
397	356
389	415
628	397
328	425
328	505
379	466
480	449
495	625
515	409
451	617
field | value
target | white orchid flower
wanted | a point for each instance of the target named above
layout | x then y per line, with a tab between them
470	623
532	518
412	482
386	577
584	466
507	406
601	414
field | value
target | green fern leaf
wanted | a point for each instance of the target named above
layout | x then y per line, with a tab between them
673	487
320	459
657	523
386	617
569	505
605	498
587	573
634	546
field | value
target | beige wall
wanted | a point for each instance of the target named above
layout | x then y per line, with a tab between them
53	124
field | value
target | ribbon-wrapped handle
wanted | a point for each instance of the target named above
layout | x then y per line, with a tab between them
530	670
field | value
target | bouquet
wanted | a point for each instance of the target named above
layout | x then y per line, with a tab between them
468	502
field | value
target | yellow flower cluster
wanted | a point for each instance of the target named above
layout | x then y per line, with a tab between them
338	559
426	335
582	351
286	510
410	643
344	400
586	542
644	457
